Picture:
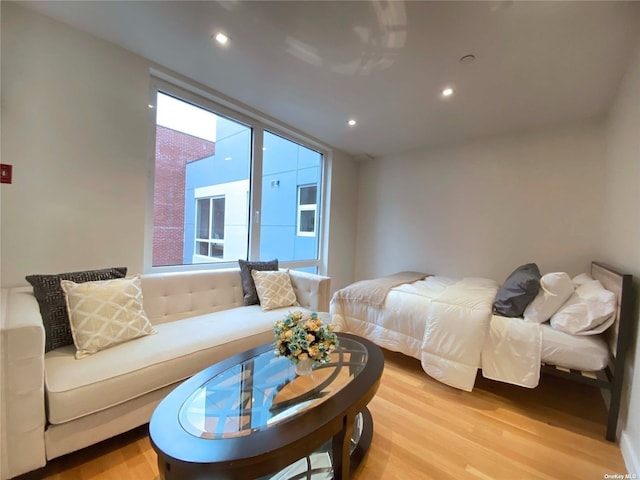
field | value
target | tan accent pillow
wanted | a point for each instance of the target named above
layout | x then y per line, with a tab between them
105	313
274	289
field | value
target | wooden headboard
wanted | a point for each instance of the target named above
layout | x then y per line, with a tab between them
617	335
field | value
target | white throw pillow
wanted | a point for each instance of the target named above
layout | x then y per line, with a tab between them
589	311
555	289
581	279
105	313
274	289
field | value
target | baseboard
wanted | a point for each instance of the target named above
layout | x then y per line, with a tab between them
629	454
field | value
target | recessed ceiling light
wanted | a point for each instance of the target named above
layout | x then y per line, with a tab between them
264	149
447	92
351	122
227	159
221	38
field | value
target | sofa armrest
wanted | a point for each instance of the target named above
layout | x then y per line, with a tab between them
22	403
312	291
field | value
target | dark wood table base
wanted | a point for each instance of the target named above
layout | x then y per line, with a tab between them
336	448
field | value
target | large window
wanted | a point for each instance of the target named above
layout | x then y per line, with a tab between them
207	209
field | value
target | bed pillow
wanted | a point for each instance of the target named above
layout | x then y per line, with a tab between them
517	291
105	313
589	311
53	309
274	289
250	295
581	279
555	289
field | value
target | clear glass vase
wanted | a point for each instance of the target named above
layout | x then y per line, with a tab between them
304	366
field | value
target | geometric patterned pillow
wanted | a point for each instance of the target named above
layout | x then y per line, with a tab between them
53	308
105	313
274	289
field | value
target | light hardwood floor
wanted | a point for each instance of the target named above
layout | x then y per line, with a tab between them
426	430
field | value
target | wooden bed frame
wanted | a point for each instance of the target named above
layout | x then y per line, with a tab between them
617	336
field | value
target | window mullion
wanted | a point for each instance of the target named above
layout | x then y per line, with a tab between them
255	201
211	219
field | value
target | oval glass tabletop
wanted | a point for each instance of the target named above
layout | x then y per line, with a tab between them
265	390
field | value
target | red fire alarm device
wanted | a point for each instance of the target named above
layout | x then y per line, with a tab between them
5	173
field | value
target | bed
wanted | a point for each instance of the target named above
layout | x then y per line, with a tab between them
452	327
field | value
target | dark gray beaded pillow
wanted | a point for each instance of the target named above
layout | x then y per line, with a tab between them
248	285
53	307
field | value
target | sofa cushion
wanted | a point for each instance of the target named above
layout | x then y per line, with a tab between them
105	313
53	308
248	285
274	289
128	370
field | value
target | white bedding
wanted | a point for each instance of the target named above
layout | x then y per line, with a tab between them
587	353
447	324
511	352
457	321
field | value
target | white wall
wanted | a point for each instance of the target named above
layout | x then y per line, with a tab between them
621	230
75	126
483	208
342	214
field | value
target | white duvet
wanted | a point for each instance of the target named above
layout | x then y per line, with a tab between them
448	325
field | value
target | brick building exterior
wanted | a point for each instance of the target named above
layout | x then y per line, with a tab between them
174	150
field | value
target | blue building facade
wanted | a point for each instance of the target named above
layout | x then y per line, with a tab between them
218	189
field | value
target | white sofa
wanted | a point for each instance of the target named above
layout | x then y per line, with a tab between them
53	404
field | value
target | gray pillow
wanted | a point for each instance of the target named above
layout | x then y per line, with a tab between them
53	307
517	291
248	285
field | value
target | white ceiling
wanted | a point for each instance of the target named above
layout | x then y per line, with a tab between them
313	65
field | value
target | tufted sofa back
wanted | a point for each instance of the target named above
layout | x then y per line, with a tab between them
174	296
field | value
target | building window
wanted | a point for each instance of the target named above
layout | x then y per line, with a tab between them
205	210
210	227
307	206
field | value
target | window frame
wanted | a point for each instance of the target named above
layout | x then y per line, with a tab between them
223	106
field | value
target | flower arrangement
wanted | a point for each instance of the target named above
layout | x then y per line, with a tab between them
301	335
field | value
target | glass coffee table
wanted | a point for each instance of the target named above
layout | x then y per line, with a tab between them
252	417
